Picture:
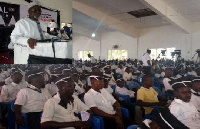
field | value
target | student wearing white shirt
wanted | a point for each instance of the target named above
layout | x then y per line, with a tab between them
195	89
106	86
9	92
26	33
166	80
120	89
59	111
102	103
52	88
119	70
182	108
146	59
79	87
31	100
108	73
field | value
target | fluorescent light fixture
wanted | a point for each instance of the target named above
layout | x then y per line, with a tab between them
93	35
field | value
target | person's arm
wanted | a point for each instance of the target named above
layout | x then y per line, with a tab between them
161	98
99	112
19	118
149	62
142	103
117	107
4	94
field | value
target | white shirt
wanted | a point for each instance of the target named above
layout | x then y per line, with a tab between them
195	100
125	91
127	76
52	88
25	29
145	58
119	71
109	89
31	100
112	81
78	88
9	92
55	112
185	113
52	25
92	59
166	84
79	70
8	80
114	66
103	100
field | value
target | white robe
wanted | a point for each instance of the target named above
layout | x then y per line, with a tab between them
25	29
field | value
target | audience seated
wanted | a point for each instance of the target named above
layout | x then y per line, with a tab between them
61	111
182	108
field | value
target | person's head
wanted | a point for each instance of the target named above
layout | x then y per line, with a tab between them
127	69
120	82
107	69
65	86
198	71
120	66
97	82
106	81
147	81
89	56
75	77
154	125
34	12
148	51
96	69
181	91
196	85
17	77
36	79
168	72
54	77
66	72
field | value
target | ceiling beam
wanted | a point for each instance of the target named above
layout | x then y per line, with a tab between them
169	14
105	18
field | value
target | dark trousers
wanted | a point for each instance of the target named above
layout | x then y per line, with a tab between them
110	124
147	70
34	120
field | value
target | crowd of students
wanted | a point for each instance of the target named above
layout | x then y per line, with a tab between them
55	96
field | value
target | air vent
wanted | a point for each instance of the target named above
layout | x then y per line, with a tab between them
142	13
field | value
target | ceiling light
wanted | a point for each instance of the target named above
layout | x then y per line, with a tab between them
93	35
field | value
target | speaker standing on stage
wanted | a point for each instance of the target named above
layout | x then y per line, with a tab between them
26	33
146	59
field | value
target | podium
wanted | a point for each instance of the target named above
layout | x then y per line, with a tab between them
63	50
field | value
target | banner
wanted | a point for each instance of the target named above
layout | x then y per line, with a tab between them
11	13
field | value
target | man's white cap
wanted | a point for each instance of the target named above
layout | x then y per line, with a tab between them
33	4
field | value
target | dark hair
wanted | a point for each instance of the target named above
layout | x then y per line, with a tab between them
145	77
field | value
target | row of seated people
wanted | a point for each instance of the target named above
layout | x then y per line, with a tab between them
144	96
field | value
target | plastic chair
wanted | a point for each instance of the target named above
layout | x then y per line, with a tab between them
132	127
96	123
23	114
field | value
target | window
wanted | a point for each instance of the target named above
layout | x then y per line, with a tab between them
155	53
83	55
117	54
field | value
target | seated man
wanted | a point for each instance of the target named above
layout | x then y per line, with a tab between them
120	89
147	96
59	111
31	100
182	108
9	91
106	86
103	104
79	86
195	89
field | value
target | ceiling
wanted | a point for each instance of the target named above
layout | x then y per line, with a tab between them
118	9
190	9
92	24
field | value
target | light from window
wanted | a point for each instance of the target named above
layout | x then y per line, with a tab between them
117	54
83	55
155	53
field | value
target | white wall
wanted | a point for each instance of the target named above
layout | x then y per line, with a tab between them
124	42
64	6
166	37
82	43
